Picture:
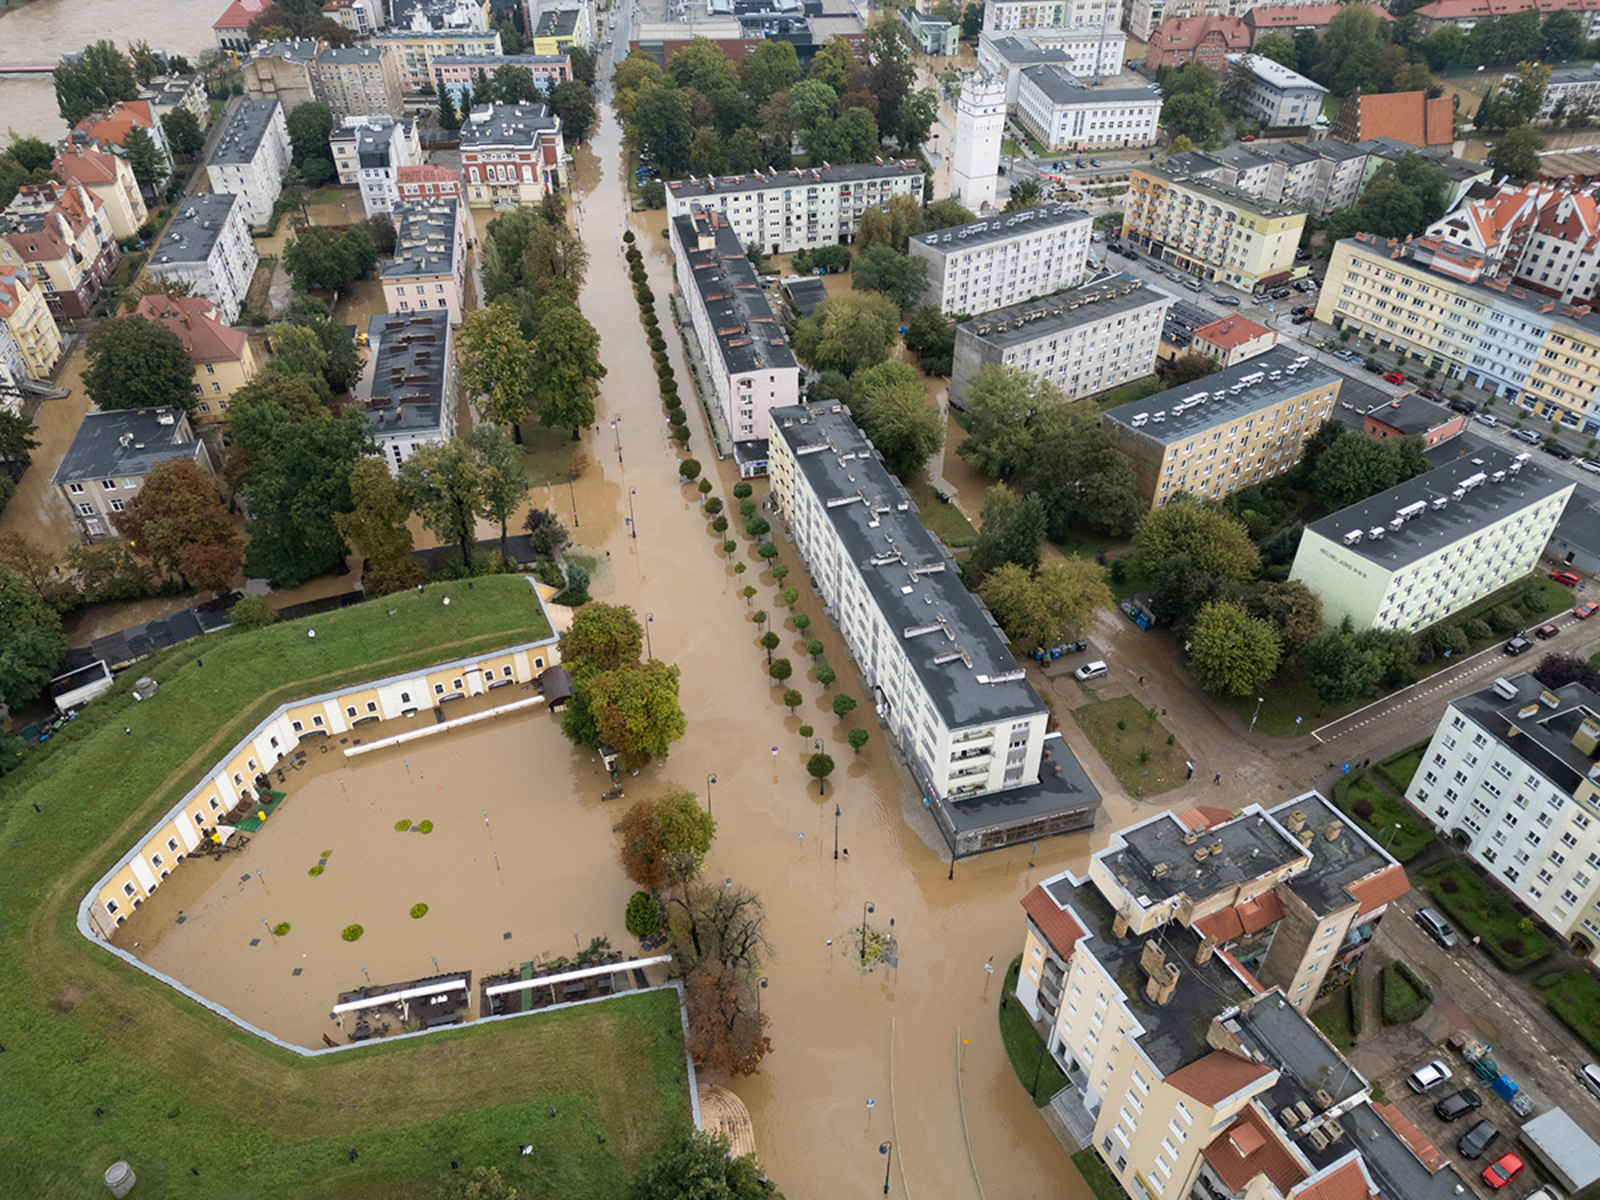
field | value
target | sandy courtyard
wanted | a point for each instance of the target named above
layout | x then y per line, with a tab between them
556	873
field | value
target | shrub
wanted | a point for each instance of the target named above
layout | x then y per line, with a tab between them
1450	884
689	470
418	911
680	434
1405	996
315	871
1478	631
1513	945
1504	619
402	826
705	487
280	929
719	524
643	916
806	731
1362	808
252	612
757	527
425	827
1447	638
352	933
1532	602
742	490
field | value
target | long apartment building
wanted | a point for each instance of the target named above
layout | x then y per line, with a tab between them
1041	16
416	49
1278	96
785	211
409	390
32	337
1418	553
251	158
1087	341
360	81
1004	260
1425	300
208	246
1190	1074
750	366
933	665
1086	54
1239	427
428	270
1210	230
1513	772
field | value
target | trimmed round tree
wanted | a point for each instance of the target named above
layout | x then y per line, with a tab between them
857	739
819	767
780	669
843	706
793	700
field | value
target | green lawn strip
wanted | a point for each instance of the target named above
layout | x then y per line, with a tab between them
180	1087
1127	393
1332	1016
1481	910
945	520
1397	769
1098	1176
1119	748
1403	996
546	454
1574	997
1017	1032
1405	843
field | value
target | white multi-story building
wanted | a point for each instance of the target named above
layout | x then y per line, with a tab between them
1576	89
751	368
1085	342
1545	238
980	127
1512	772
408	387
1418	553
428	270
1086	53
208	246
1004	260
1278	97
251	158
370	151
786	211
1066	114
934	666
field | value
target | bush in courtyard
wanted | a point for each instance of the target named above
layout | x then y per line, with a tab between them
1405	996
1513	945
1478	631
402	826
1362	808
315	871
644	915
1504	619
352	933
252	612
425	827
1533	602
1450	884
418	911
1447	638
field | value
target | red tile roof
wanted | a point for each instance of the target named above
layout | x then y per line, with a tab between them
1385	887
1248	916
1218	1075
1348	1182
1248	1148
195	322
1229	333
1425	1150
1205	816
1301	16
1453	10
119	119
240	13
1406	117
12	289
1059	927
85	165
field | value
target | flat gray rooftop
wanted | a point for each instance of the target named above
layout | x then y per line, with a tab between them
1120	294
1334	864
1543	738
1003	228
123	441
1023	52
1411	414
1159	418
748	336
952	642
1472	500
1062	87
245	131
1580	523
403	384
194	232
1251	847
507	124
425	240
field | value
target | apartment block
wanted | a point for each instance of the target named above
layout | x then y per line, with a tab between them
1572	89
30	327
1290	19
456	73
112	126
1418	553
1038	16
933	665
1084	54
281	71
1004	260
251	158
1239	427
930	34
1067	114
415	50
111	180
1513	773
360	81
223	359
1465	14
1545	238
799	209
1210	230
168	93
1278	96
110	457
429	267
409	389
208	246
424	184
1087	341
560	29
512	155
361	17
61	234
750	366
371	152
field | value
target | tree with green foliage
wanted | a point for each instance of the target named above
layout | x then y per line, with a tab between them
514	85
1292	609
1516	154
1216	541
634	708
449	118
665	841
31	645
573	102
310	124
1023	539
901	277
178	524
495	365
138	363
331	259
1561	37
945	214
1006	407
16	438
181	129
99	77
504	485
1355	467
851	137
25	162
1054	604
376	527
1339	670
602	637
889	403
932	338
443	483
848	332
1232	653
857	739
834	64
250	612
661	122
566	370
297	352
1194	115
772	67
144	157
1348	56
1082	475
1279	48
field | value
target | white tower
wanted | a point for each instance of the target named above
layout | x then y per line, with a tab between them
980	124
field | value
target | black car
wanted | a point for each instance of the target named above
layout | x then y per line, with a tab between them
1463	406
1300	310
1518	645
1477	1139
1302	256
1130	254
1373	367
1457	1105
1280	293
1560	452
1302	319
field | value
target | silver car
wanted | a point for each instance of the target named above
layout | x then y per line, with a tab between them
1430	1076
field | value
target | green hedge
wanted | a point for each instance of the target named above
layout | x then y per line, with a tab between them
1355	1004
1405	996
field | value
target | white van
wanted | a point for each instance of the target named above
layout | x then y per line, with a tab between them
1094	670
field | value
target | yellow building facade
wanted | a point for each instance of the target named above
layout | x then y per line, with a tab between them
1210	230
28	320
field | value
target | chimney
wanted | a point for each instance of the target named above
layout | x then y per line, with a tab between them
1307	836
1163	976
1190	837
1208	947
1296	821
1216	849
1119	925
1333	830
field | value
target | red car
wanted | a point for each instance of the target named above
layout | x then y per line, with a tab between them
1395	377
1584	611
1249	137
1566	578
1546	632
1502	1171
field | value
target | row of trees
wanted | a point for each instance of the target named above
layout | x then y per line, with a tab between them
572	100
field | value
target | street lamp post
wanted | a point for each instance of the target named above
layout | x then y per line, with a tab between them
616	433
887	1148
710	779
1390	838
865	909
836	832
1039	1066
573	492
1259	701
633	523
649	620
822	782
761	987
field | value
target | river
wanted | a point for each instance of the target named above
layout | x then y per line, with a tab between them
42	31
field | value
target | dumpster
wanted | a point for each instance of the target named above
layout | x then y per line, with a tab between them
1486	1068
1505	1087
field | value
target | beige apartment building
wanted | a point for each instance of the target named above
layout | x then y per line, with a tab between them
29	323
1211	230
415	50
359	81
223	359
111	180
281	71
1211	437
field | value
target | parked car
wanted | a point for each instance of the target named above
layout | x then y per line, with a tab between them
1526	435
1485	419
1374	368
1394	377
1092	670
1193	285
1589	1075
1586	610
1502	1171
1233	302
1436	927
1457	1105
1589	464
1476	1140
1545	632
1299	310
1463	406
1302	319
1565	578
1433	394
1094	162
1430	1076
1249	137
1518	645
1560	452
1130	253
1302	256
1304	285
1280	293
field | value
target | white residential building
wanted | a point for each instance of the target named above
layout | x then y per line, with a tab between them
1545	238
1033	16
1577	89
1279	97
786	211
980	127
429	266
208	246
1004	260
1085	53
251	158
1085	342
408	386
370	151
1512	772
1066	114
1418	553
751	368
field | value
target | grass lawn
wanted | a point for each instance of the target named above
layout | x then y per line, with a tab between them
1098	1176
546	454
1403	996
1163	768
1410	840
1126	394
1482	910
1574	997
1020	1039
941	518
179	1087
1332	1016
1397	769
